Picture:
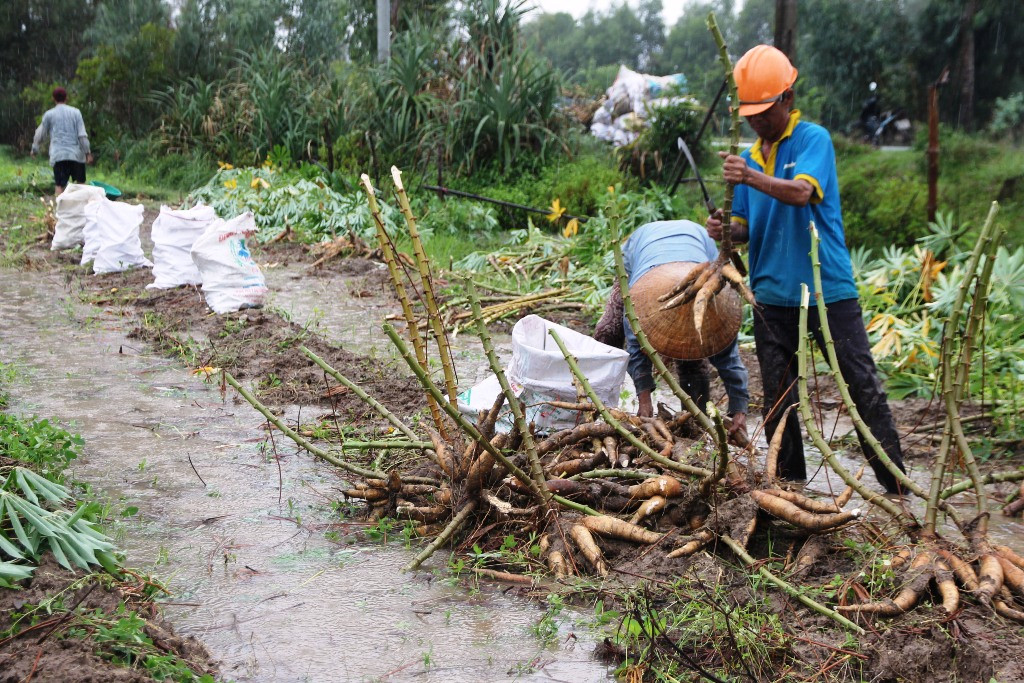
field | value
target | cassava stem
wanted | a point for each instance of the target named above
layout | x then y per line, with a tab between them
844	391
949	392
536	469
362	395
471	431
734	131
460	420
458	521
297	438
423	263
384	241
607	416
789	589
909	523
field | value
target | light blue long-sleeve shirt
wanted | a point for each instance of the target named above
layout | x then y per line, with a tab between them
66	129
655	244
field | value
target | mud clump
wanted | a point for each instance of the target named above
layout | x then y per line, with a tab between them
57	645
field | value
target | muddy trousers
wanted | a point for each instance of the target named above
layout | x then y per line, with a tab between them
776	333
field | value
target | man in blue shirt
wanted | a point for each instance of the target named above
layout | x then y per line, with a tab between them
650	246
785	180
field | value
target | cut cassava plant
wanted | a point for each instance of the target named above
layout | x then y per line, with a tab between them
678	504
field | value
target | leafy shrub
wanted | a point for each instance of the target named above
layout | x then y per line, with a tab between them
47	447
283	200
907	294
1008	117
652	155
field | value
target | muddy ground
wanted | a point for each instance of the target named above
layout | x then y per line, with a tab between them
262	347
50	646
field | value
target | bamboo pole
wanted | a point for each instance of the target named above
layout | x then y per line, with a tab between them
909	523
536	470
789	589
440	336
297	438
659	365
607	416
396	281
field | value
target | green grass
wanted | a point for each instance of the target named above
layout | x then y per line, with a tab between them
21	175
884	193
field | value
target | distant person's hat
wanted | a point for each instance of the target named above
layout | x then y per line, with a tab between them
672	333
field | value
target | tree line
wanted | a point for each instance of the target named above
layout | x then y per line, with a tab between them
841	47
469	80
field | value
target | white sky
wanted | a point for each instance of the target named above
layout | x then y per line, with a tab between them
577	8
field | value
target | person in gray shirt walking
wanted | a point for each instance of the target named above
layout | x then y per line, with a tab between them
69	143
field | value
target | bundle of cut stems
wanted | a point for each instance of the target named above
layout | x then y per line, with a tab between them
572	491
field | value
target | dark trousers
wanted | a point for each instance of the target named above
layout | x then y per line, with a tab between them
776	333
695	380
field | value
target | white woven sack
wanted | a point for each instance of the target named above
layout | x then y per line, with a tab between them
117	233
90	233
231	279
70	213
538	373
174	233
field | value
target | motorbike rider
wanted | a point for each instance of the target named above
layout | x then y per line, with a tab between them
870	113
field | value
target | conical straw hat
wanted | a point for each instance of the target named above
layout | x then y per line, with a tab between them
672	333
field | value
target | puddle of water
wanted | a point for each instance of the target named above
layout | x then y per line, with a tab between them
273	600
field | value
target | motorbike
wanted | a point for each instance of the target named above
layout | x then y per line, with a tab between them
889	128
877	127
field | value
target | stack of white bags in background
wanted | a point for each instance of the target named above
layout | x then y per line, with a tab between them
630	101
190	246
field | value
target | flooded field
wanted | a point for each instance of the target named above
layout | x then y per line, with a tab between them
260	566
262	562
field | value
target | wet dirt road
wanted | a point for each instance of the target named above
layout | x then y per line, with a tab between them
245	546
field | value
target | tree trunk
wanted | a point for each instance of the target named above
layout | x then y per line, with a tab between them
785	27
966	114
383	31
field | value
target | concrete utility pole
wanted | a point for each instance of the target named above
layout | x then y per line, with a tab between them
383	30
785	27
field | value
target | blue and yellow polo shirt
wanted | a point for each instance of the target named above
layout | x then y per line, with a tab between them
780	241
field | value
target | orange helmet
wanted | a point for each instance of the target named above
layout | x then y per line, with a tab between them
762	75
